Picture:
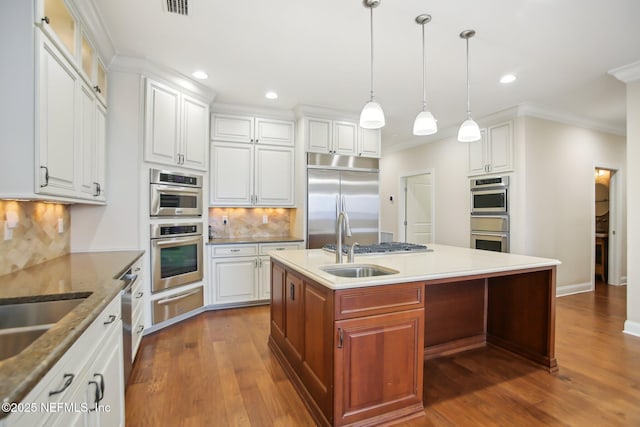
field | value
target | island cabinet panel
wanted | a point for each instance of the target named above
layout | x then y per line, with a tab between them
277	302
527	300
455	316
368	301
294	319
378	367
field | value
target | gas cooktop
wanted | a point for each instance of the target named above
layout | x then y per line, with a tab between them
380	248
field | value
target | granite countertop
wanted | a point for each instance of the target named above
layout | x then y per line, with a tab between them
443	262
249	239
92	275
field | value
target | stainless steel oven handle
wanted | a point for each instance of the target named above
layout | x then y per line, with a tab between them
489	233
178	297
176	240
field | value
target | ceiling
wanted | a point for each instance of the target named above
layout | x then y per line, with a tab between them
317	53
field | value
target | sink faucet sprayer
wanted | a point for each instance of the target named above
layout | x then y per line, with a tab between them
343	221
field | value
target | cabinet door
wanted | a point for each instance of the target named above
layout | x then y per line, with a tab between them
294	319
161	124
278	295
274	182
264	264
100	174
477	150
231	174
318	135
500	153
274	132
378	365
195	138
57	115
345	138
105	383
369	142
57	21
232	128
234	279
88	146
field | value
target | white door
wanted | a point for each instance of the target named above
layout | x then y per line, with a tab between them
477	158
162	124
234	279
369	142
231	174
87	141
265	277
100	173
345	138
419	209
195	133
274	180
274	132
318	135
499	148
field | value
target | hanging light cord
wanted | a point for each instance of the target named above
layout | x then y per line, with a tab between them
468	84
424	75
371	26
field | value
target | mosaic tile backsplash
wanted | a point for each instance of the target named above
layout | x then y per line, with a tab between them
249	222
35	238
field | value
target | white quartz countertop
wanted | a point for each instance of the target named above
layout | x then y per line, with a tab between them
443	262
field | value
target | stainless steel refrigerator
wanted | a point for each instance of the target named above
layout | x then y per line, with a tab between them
339	182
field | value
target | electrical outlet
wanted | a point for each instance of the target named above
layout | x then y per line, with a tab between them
225	220
60	226
8	231
265	219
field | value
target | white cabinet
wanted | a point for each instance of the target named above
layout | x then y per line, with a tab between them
242	273
251	168
137	309
340	137
176	127
494	152
92	145
92	369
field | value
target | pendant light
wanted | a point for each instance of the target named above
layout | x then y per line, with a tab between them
425	123
469	130
372	116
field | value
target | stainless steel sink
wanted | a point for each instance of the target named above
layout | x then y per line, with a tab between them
358	270
22	324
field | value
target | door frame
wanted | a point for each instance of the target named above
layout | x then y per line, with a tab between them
402	230
616	226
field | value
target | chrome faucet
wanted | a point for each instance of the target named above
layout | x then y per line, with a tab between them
343	221
352	252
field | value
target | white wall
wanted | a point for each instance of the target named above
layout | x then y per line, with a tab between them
559	194
448	160
552	188
632	324
116	226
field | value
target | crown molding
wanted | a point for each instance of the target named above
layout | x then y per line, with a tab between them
94	26
532	110
130	64
627	73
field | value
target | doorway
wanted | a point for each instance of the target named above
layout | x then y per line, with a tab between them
417	218
607	222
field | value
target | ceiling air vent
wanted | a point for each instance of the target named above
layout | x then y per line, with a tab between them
180	7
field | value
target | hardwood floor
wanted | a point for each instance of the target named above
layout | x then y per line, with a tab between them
216	370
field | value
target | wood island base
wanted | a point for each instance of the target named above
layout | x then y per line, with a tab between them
356	356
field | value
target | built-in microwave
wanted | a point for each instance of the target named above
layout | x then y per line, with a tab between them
174	194
490	195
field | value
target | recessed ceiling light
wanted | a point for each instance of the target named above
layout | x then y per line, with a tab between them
507	78
271	95
200	75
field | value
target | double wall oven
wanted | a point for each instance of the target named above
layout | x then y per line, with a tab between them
176	242
490	213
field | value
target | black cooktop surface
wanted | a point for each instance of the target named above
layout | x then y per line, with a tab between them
380	248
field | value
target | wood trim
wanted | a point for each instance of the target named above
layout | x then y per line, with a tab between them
359	302
453	347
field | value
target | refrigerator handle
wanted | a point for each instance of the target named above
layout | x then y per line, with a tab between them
337	207
344	204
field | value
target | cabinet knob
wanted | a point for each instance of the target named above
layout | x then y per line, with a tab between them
97	89
45	20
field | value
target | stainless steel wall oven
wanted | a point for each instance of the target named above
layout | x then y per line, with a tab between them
174	194
490	214
176	255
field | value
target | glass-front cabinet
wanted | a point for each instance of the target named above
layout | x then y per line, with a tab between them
59	23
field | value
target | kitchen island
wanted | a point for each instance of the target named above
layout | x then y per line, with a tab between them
354	347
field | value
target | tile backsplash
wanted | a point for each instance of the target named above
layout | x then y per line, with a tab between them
35	238
248	222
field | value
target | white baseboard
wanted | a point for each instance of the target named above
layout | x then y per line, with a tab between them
632	328
578	288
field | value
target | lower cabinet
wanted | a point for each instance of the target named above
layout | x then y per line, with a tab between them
356	353
241	273
86	386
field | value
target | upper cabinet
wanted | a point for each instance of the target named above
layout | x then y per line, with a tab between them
61	154
340	137
252	161
494	152
176	128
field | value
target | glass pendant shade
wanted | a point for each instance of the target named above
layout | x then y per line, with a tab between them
372	116
425	124
469	131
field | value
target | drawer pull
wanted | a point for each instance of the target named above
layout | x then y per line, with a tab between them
178	297
111	319
292	291
340	338
68	379
139	294
140	329
234	250
280	249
